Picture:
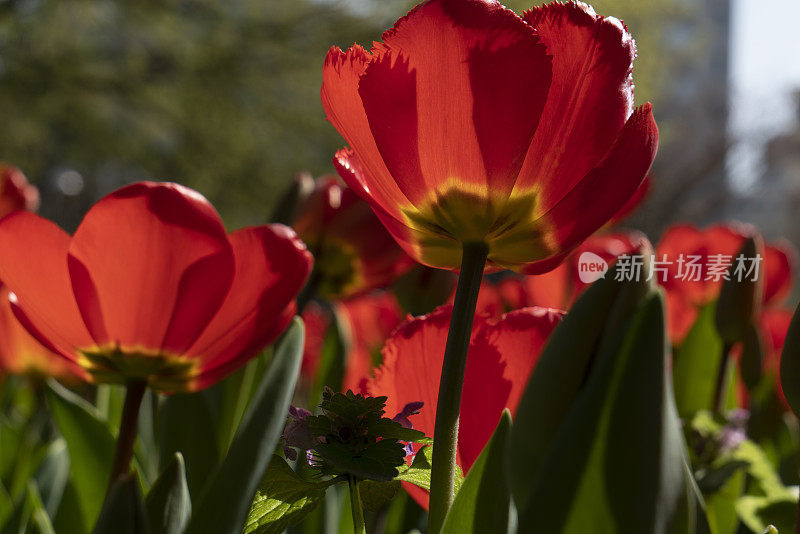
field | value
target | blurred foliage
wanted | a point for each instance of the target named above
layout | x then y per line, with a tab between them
220	96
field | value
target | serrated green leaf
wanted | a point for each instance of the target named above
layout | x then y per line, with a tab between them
169	505
375	495
419	472
389	429
376	461
482	503
90	446
236	480
283	499
123	510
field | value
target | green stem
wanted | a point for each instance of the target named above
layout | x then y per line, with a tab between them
445	437
127	431
720	391
359	527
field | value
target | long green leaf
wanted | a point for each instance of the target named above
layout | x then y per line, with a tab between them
482	503
617	463
90	446
236	480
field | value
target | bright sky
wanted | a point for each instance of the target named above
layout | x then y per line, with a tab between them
765	68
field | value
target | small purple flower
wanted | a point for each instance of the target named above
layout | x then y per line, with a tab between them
733	434
297	433
412	408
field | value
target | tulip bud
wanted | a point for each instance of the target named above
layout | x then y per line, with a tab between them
301	187
751	362
790	364
740	296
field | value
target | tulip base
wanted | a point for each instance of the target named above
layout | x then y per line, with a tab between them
473	261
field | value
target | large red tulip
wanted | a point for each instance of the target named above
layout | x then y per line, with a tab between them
471	124
353	253
502	355
151	288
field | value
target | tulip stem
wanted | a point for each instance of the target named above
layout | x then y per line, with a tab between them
448	406
359	527
127	431
720	391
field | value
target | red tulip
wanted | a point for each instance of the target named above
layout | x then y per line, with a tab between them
502	355
560	287
686	293
20	353
471	124
15	191
370	318
353	252
151	288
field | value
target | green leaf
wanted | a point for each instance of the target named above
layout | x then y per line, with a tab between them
185	424
482	503
237	478
52	475
69	517
282	499
419	472
333	358
169	506
377	461
696	365
90	446
375	495
556	382
758	513
39	522
617	463
123	511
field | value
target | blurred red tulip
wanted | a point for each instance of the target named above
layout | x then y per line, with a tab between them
15	191
687	291
371	318
151	288
560	287
21	354
502	355
353	252
469	123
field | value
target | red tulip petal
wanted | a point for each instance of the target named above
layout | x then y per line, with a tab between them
21	353
266	334
33	264
343	107
778	265
589	101
599	195
502	356
272	265
482	77
151	264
